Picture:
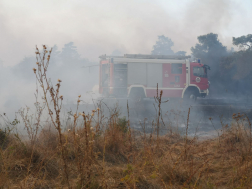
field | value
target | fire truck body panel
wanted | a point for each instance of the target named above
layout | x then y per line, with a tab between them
137	74
121	76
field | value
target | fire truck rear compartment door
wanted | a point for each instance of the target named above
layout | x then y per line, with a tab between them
154	75
137	74
120	75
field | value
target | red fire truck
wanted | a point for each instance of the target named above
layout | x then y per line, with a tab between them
134	75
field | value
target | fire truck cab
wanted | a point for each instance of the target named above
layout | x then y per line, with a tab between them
138	75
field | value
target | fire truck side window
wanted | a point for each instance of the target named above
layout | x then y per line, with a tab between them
199	71
176	69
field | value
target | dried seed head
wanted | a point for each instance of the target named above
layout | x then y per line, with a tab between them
34	69
91	128
79	96
37	63
44	46
36	52
78	100
69	130
92	114
98	109
93	111
59	80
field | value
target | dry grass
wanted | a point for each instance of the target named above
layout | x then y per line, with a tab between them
111	161
98	152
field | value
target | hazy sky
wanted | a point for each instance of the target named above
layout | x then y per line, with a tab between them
100	27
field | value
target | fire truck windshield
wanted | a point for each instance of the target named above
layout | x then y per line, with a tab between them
199	71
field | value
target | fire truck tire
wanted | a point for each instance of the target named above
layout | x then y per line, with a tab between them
137	93
191	95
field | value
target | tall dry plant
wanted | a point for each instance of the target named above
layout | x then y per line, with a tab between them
51	94
158	100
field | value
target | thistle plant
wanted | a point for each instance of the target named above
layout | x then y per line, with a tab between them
51	94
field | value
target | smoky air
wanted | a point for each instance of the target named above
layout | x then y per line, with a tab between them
125	94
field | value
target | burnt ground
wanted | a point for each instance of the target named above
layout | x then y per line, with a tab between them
207	116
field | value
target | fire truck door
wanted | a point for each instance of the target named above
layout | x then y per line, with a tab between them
174	75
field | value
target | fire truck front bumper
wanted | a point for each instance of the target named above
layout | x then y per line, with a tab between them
204	93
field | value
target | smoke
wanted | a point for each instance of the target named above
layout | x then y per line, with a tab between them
18	83
203	17
97	27
100	27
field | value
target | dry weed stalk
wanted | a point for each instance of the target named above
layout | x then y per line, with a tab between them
158	100
187	124
43	59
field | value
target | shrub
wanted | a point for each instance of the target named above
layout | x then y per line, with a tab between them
3	139
122	124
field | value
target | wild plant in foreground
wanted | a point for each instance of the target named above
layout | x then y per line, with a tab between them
51	94
158	100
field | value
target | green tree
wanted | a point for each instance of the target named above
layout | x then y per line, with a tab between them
163	46
210	50
69	53
238	65
244	42
182	53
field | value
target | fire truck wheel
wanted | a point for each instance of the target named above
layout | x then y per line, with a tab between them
190	97
137	93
